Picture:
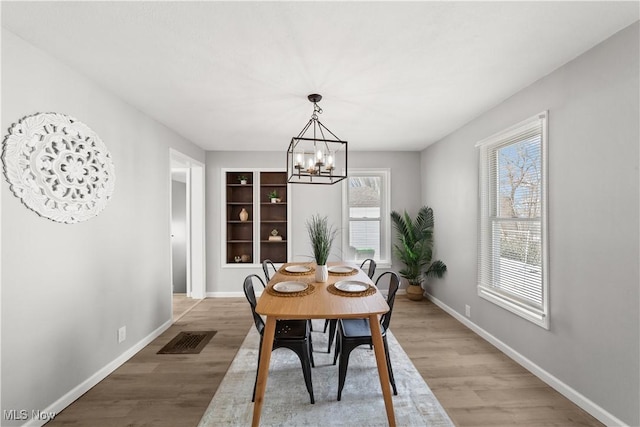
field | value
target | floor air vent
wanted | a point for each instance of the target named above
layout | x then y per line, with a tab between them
188	342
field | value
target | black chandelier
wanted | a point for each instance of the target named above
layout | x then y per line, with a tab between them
314	159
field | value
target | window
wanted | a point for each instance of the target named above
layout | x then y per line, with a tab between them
512	266
366	210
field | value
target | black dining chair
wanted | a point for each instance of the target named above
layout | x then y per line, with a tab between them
265	267
356	332
332	323
268	265
372	267
292	334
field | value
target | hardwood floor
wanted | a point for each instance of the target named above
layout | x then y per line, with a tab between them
475	383
182	304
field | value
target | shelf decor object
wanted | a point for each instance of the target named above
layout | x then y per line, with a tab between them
58	167
312	158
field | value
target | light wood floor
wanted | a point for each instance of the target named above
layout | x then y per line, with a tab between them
475	383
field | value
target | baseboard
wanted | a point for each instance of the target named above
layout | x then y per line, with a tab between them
85	386
576	397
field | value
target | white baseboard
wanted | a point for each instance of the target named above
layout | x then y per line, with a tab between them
576	397
85	386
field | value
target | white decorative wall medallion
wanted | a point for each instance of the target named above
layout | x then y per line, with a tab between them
58	167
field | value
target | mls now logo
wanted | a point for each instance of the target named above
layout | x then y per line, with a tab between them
23	414
15	414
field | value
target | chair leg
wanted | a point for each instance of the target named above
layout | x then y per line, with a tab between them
310	349
338	345
332	333
253	398
306	371
391	378
342	368
326	323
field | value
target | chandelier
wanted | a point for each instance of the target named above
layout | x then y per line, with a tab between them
313	158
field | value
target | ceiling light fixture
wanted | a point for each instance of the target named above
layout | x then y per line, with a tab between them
314	159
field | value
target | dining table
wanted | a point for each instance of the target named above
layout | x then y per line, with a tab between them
321	300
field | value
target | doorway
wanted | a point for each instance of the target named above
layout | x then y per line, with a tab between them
187	233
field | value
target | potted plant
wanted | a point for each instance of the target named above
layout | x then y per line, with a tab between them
273	195
415	249
321	235
242	179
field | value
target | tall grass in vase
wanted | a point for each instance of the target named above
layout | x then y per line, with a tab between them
321	235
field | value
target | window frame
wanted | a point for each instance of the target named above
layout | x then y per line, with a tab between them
385	212
487	189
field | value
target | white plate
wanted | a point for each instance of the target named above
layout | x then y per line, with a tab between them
351	286
340	269
297	269
287	287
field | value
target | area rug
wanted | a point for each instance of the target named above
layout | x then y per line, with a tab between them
287	403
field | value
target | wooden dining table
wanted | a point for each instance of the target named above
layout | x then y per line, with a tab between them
321	304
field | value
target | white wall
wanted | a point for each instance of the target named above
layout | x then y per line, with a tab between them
66	289
306	200
593	342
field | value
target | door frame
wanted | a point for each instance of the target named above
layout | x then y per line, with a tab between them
196	269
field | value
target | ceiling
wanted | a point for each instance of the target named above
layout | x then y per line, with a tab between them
393	75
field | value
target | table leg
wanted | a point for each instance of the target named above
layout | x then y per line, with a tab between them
263	368
381	360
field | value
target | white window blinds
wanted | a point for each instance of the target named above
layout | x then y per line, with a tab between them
512	221
366	222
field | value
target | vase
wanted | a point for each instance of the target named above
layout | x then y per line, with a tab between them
415	292
322	273
244	215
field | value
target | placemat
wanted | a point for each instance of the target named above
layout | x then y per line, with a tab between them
353	272
335	291
289	273
307	291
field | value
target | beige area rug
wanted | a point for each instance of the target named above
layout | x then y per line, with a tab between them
286	400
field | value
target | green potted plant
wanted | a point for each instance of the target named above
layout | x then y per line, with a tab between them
415	249
321	235
273	195
242	179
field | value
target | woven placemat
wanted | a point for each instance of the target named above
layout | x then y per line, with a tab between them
333	290
290	273
307	291
353	272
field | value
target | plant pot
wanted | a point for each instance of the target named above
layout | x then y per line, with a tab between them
415	292
243	181
322	273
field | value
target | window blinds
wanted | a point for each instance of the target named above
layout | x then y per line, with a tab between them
511	227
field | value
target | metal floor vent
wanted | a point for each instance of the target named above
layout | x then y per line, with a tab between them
188	342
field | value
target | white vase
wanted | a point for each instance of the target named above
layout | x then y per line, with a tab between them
322	273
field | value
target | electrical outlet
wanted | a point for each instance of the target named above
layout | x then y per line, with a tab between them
467	310
122	334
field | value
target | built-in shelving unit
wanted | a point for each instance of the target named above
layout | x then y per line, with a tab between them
263	234
239	232
273	216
